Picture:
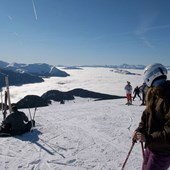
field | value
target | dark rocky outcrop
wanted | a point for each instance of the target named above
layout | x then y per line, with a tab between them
69	95
32	101
57	95
90	94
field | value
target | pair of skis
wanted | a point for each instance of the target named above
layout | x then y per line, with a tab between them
4	106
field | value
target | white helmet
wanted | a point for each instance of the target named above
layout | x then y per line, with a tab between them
154	71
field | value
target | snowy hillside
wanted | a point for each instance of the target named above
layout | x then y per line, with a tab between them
40	69
79	135
82	134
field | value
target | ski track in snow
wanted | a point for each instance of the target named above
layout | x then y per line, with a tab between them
74	136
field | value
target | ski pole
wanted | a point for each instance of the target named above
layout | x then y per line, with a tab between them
133	143
142	149
34	113
30	118
30	113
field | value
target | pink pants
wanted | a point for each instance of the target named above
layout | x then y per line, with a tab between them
155	161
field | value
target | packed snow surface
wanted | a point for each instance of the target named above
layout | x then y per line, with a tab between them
79	135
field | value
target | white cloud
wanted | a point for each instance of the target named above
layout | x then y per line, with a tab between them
35	12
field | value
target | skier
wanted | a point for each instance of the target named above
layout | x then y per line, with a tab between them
143	90
154	127
16	123
128	89
136	92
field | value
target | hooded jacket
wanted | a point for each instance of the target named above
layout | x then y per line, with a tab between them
17	121
155	120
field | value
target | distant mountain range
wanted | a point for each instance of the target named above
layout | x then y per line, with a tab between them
20	73
17	78
123	66
39	69
123	71
27	73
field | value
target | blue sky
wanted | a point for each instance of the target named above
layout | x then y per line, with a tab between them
78	32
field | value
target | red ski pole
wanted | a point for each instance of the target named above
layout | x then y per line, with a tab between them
133	143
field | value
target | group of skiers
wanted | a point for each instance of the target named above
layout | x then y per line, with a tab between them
136	92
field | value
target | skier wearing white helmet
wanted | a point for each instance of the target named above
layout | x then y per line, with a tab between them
155	74
154	127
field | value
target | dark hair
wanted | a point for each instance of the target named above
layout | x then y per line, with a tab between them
14	108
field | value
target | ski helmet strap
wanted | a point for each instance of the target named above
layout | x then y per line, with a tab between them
161	70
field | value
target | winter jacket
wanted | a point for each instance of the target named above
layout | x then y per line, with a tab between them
143	89
155	120
128	89
17	121
136	90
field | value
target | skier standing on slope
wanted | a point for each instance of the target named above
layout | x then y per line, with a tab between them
143	88
154	128
136	92
128	89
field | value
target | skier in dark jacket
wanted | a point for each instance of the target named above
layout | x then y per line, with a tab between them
136	92
154	127
143	90
17	123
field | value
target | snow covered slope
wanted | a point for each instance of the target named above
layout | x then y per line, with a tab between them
78	135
